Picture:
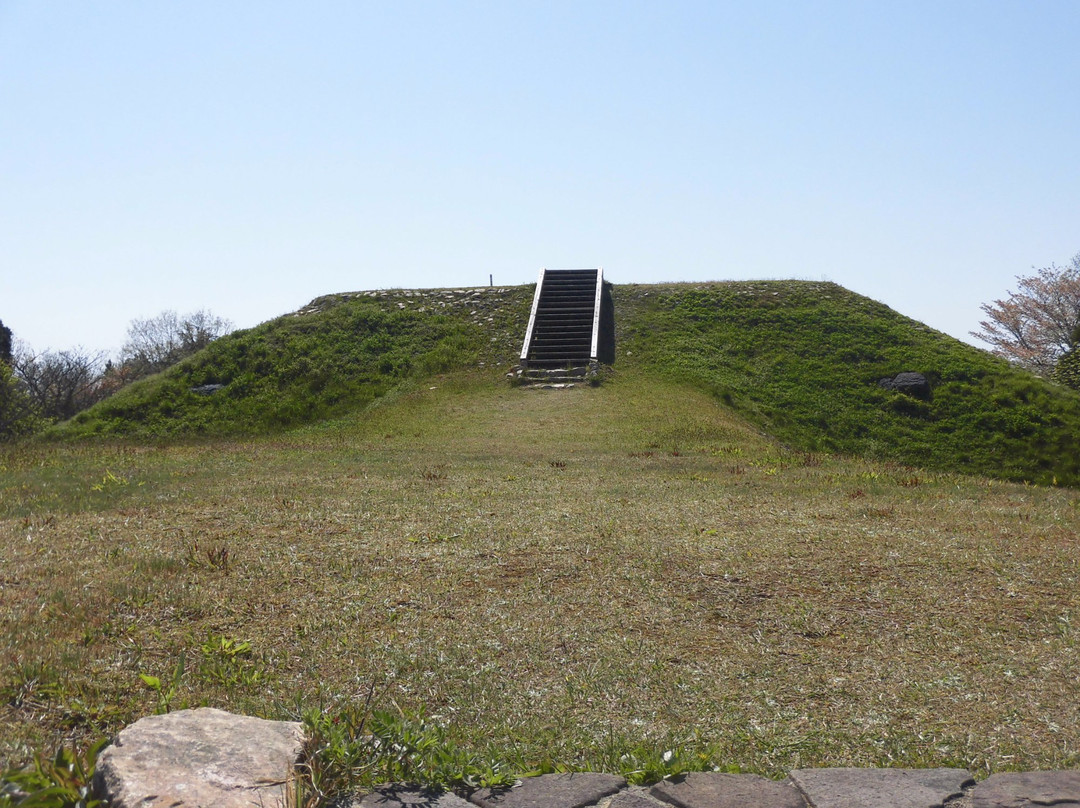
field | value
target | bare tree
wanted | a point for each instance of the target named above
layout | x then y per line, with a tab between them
1038	323
155	343
60	383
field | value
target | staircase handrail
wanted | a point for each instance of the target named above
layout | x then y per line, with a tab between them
532	317
593	351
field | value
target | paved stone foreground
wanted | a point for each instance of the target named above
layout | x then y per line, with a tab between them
803	788
207	757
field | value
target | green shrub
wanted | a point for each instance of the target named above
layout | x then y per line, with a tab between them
1067	370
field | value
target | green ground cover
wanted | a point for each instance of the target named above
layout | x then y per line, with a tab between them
737	551
800	360
338	354
575	578
803	361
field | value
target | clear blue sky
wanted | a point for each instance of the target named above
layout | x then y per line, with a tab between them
249	156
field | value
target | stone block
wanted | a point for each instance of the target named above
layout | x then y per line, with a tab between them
574	790
1028	790
880	788
719	790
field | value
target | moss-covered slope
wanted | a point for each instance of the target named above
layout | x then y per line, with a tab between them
803	361
337	354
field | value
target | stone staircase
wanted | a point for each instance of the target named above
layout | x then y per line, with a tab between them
562	339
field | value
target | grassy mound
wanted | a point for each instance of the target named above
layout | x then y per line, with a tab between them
800	360
803	360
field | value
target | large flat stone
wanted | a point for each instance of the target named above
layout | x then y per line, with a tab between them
401	796
634	799
880	788
718	790
552	791
1024	789
200	757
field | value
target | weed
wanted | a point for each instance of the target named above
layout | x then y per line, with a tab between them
557	464
230	663
433	538
356	746
30	685
61	781
217	556
646	764
434	473
166	691
109	481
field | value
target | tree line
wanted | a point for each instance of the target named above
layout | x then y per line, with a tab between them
39	388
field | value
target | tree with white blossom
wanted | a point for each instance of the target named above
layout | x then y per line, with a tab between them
1038	323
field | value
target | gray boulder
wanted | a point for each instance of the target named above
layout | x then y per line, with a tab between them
909	383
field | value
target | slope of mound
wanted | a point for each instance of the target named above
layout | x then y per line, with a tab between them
337	354
800	360
803	361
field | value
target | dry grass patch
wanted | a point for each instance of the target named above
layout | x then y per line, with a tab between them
543	574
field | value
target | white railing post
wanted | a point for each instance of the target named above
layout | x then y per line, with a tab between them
532	317
594	350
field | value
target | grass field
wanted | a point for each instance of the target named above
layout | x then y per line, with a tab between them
564	578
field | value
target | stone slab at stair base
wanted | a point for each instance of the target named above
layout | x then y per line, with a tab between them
881	788
1028	790
575	790
202	757
716	790
401	796
634	799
